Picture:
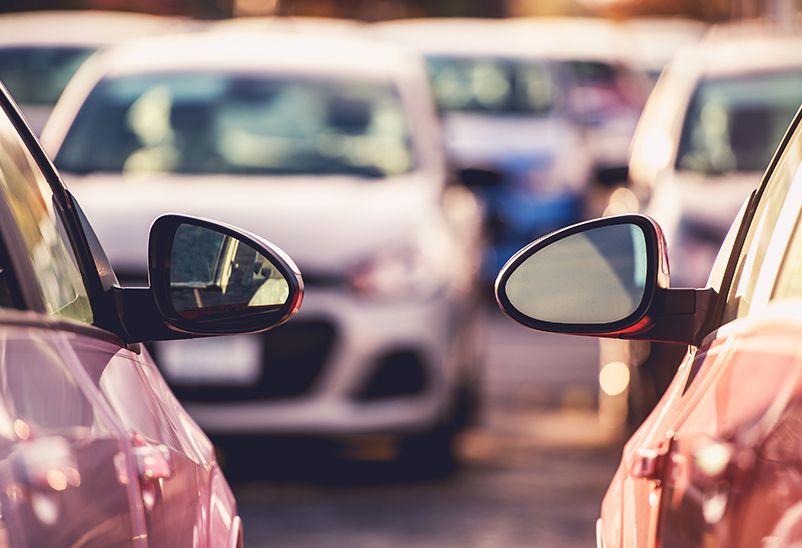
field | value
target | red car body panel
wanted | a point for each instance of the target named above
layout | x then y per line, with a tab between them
727	445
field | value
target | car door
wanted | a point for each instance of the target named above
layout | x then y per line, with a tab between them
169	462
719	388
65	467
174	459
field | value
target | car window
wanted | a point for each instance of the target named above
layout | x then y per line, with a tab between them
30	199
36	75
789	280
761	230
491	86
733	124
201	123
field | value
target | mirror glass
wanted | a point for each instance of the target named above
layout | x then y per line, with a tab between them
592	277
213	273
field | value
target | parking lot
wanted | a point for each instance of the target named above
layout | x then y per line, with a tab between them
533	472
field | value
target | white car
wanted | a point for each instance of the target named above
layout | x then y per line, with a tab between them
329	144
708	130
501	102
655	40
707	133
40	51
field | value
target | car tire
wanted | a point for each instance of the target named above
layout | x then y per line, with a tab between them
430	454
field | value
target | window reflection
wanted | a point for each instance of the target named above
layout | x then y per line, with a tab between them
29	197
210	270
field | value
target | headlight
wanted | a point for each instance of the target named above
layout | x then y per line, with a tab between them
403	273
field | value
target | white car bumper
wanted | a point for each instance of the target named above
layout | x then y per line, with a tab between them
365	331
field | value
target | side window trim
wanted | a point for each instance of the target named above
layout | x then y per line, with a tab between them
64	209
777	254
717	315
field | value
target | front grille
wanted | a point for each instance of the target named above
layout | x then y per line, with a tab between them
295	355
400	373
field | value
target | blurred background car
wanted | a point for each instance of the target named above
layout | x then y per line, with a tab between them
509	134
40	51
331	144
606	90
707	132
655	40
309	25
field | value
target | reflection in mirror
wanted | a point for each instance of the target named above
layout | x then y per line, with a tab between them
597	276
212	272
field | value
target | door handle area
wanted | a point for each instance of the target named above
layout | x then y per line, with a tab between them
153	462
648	464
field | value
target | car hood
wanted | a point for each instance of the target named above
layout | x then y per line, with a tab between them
324	223
479	139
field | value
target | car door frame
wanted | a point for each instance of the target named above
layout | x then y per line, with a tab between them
653	449
102	289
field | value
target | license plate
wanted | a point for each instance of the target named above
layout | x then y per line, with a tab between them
232	360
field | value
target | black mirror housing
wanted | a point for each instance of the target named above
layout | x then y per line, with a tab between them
196	293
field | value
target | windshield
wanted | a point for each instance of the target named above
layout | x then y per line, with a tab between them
37	75
239	124
491	86
735	124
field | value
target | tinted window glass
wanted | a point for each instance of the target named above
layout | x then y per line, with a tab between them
37	75
761	228
30	199
735	124
789	281
492	86
238	124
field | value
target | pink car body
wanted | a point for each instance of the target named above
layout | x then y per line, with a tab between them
94	448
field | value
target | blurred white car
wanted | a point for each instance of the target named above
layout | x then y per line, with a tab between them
501	100
274	24
40	51
655	40
707	133
331	146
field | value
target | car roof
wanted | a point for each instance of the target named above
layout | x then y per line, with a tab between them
292	53
83	28
287	24
563	38
743	48
657	39
457	36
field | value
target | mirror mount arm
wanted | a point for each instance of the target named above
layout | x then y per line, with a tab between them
141	318
677	316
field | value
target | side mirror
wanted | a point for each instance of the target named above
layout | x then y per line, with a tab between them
208	278
607	277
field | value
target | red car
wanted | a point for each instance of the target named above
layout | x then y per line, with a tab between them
719	460
94	448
